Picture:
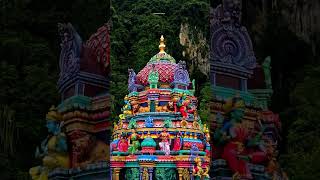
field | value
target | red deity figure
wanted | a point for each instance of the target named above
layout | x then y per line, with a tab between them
240	145
185	107
177	142
123	144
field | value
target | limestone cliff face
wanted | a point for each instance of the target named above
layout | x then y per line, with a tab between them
195	47
303	17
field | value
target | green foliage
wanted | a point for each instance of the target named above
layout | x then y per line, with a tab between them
303	152
204	105
28	87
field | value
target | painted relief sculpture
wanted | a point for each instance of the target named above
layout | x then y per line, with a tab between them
165	141
166	136
244	132
77	146
53	150
240	147
198	171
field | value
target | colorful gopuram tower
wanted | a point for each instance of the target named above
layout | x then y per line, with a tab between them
160	135
244	132
77	146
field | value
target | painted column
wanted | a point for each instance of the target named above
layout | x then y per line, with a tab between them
111	173
152	106
113	176
150	170
180	173
156	105
141	171
191	171
116	173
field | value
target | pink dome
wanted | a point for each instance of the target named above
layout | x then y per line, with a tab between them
165	69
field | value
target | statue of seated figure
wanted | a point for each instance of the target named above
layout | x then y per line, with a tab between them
53	149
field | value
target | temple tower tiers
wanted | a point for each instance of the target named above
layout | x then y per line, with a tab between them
244	132
159	134
77	146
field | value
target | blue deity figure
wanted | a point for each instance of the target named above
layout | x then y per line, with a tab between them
149	122
53	150
194	151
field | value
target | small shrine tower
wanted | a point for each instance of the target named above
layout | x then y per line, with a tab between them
160	135
244	132
77	146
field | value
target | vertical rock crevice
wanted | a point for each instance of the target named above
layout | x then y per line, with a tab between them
195	47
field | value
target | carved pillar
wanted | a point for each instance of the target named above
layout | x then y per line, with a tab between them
150	170
180	170
111	173
116	173
152	106
156	105
141	171
191	171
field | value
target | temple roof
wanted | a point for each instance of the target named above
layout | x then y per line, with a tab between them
163	63
162	56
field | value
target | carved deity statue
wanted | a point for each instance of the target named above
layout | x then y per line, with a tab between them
198	172
177	142
228	12
123	144
145	174
240	146
135	107
126	109
132	87
53	150
165	141
267	72
87	149
206	132
134	142
185	107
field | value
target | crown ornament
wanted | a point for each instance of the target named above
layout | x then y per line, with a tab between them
53	114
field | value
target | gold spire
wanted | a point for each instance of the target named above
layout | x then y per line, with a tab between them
162	46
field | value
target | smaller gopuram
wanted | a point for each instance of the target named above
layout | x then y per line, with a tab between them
245	134
159	134
77	145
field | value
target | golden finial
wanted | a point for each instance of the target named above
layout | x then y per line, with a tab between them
162	46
